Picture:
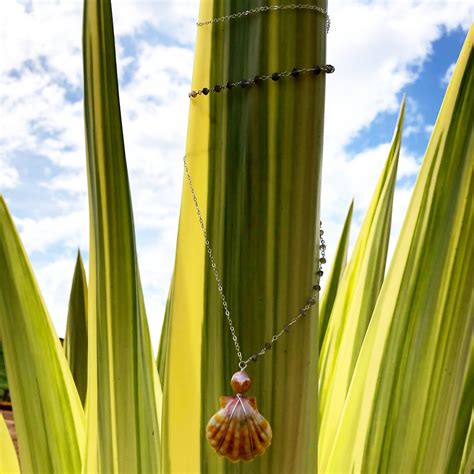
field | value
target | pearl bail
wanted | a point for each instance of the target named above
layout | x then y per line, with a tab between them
240	382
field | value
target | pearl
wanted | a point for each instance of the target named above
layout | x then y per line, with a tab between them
240	382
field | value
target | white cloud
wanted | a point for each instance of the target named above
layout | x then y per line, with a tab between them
55	280
356	177
41	234
378	48
9	176
448	74
429	129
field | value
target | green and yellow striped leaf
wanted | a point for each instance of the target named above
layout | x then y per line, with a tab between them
48	413
123	391
75	342
334	276
462	445
8	459
254	155
467	459
355	300
3	373
405	392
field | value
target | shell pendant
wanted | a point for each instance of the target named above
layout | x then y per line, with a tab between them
238	431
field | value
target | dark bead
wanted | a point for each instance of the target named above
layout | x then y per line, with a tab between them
275	76
286	328
229	85
320	273
316	70
217	88
317	288
254	358
329	68
244	83
205	91
193	94
321	232
257	79
322	260
268	346
295	72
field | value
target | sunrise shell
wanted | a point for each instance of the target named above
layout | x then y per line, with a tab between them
238	431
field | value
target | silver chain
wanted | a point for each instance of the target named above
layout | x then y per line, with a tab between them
311	301
253	11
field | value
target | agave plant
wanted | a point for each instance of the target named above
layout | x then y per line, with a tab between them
397	400
397	352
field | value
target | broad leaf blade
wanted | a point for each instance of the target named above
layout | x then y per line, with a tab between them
3	374
8	459
334	276
75	342
463	440
405	390
255	159
355	301
467	459
122	406
48	414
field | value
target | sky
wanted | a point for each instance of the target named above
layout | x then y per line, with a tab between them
381	51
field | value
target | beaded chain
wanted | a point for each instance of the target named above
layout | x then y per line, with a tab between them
269	8
302	312
275	76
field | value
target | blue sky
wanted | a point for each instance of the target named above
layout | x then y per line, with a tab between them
427	91
381	51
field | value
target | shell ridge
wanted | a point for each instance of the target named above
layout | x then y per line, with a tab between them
216	428
229	422
260	431
247	422
253	428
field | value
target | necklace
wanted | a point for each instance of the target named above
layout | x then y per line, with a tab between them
238	431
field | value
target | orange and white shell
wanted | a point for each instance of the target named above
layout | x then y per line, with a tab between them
238	431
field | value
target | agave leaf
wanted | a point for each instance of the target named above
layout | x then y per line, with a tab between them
123	392
8	459
254	155
49	417
355	300
75	342
3	373
164	338
463	440
334	276
405	392
467	460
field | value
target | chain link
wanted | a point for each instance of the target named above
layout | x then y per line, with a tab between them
302	312
213	264
253	11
